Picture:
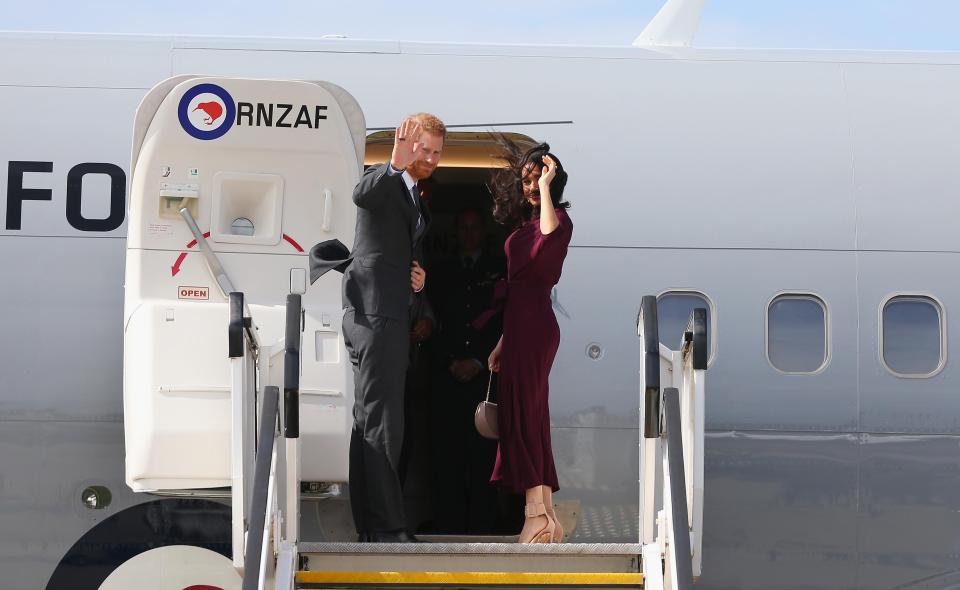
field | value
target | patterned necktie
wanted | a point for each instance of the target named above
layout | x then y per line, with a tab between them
414	191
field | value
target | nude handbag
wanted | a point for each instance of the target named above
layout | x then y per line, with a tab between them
485	418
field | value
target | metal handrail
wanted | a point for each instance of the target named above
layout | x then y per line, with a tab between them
235	328
291	368
241	325
213	263
695	338
647	323
273	462
694	361
680	541
244	351
664	420
269	417
650	410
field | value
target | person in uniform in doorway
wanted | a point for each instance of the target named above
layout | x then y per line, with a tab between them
528	198
460	290
380	279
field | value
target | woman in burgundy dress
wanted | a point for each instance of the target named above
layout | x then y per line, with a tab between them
523	357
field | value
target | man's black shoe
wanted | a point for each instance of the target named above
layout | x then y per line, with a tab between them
392	537
363	537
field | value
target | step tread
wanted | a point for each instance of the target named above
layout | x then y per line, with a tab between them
470	578
438	538
472	548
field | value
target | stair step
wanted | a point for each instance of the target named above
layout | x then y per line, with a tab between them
461	548
468	538
312	579
470	564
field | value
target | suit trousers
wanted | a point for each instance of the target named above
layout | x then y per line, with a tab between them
379	352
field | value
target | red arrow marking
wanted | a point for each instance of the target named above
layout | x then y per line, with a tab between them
194	242
176	265
294	242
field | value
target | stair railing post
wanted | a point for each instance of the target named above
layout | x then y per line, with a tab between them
649	415
694	368
291	419
672	410
678	565
243	349
263	494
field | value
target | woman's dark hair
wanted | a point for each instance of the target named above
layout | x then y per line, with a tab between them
509	206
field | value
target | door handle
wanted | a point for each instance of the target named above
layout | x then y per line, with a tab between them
327	210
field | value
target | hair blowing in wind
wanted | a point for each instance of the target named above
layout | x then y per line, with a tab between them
509	206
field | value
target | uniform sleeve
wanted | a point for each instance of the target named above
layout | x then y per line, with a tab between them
554	243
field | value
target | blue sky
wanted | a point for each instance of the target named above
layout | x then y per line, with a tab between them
864	24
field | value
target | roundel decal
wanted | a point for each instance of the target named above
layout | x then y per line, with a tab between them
207	111
126	545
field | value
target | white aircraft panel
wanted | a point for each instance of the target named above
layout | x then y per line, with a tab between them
905	128
600	292
786	505
103	61
285	45
893	403
61	345
46	467
444	85
91	127
549	51
710	155
835	56
729	155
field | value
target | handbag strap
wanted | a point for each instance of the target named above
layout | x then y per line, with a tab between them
489	385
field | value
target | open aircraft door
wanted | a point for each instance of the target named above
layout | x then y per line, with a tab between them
267	169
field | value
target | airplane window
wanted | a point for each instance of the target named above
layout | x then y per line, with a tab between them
912	330
673	313
797	333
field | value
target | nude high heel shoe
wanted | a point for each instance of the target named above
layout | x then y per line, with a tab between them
557	530
544	535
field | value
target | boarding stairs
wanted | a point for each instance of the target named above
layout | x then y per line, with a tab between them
266	494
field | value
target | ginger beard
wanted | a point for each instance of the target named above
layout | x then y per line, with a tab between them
430	148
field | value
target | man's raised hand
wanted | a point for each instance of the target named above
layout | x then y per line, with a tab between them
405	144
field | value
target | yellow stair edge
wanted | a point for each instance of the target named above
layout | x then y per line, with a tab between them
473	578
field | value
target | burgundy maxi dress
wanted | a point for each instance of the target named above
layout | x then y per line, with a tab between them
530	340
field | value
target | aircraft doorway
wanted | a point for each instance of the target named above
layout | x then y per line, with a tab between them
445	464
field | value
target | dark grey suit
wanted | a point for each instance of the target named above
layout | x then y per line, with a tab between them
376	330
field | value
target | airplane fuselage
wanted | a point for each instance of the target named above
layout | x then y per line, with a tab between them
750	179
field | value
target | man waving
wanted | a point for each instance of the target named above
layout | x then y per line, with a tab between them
377	289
